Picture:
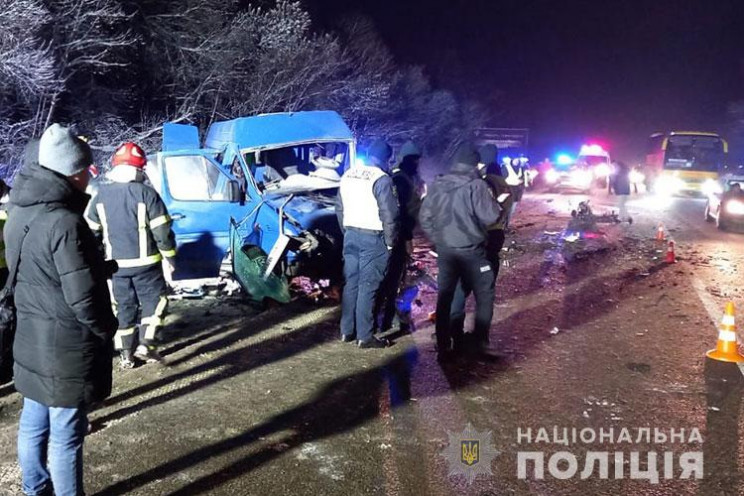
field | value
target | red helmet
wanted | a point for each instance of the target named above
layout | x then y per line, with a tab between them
129	154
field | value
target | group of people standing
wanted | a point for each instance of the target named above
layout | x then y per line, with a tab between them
60	270
464	214
65	250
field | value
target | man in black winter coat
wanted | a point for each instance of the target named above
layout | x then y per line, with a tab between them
455	215
63	343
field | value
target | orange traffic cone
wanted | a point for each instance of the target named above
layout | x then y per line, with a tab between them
432	316
670	256
726	348
660	232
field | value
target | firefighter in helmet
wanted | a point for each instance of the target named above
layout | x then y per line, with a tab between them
136	230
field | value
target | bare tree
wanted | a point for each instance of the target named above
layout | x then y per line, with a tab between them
27	72
88	38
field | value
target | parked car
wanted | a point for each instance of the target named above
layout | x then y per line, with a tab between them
726	205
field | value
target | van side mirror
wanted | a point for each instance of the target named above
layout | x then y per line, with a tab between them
234	194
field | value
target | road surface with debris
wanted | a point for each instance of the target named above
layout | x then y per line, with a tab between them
596	339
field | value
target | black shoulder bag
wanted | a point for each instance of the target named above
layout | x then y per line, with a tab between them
8	314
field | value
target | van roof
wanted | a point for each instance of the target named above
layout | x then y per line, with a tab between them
271	130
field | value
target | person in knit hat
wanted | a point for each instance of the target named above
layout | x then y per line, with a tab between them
63	342
367	209
136	230
455	216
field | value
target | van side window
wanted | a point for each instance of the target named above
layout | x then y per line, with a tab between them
194	178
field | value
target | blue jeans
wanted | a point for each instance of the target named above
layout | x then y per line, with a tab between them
58	432
365	263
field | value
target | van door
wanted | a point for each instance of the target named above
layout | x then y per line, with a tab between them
200	198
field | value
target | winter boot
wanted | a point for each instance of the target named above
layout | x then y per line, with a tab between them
126	360
147	354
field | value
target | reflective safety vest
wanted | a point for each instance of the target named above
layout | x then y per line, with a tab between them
134	222
357	195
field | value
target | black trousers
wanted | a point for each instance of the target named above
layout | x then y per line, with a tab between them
473	270
388	298
494	245
134	291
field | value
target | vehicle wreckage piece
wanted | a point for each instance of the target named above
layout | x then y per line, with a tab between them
250	267
585	213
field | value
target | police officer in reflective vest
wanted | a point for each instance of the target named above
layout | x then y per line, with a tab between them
137	233
368	213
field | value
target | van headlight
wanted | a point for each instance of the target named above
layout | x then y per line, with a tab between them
551	176
711	187
602	170
735	207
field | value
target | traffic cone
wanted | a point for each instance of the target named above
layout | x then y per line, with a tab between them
726	348
432	317
670	256
660	232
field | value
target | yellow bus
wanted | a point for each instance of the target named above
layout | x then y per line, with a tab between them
685	162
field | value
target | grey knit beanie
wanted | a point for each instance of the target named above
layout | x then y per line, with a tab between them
63	152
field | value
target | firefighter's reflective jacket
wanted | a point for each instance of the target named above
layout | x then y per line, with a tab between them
135	224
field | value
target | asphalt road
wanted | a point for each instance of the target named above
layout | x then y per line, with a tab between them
595	340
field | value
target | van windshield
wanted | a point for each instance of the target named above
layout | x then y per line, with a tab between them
304	167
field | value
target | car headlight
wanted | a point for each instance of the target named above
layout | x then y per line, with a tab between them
711	187
551	176
669	185
735	207
581	177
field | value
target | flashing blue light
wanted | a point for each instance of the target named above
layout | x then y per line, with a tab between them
564	159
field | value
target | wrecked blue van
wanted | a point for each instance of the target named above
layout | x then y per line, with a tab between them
259	194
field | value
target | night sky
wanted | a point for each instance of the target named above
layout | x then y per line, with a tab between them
575	70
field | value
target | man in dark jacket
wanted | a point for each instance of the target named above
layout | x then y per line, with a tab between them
63	341
137	233
368	214
621	187
409	188
496	234
455	215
